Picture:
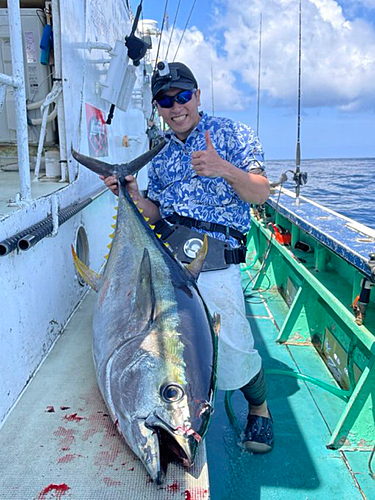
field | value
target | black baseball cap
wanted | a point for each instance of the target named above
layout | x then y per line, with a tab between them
179	76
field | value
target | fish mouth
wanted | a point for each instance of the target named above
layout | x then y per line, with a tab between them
174	445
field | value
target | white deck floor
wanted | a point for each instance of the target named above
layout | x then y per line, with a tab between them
10	185
59	441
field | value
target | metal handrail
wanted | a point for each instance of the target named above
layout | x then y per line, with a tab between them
17	81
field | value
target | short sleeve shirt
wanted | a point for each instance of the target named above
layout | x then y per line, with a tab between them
175	185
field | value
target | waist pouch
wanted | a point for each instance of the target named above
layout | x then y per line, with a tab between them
185	243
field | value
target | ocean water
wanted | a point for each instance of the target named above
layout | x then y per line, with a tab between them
345	185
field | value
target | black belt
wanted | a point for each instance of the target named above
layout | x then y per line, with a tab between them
208	226
219	255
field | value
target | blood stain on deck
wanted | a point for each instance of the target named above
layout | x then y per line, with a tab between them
73	417
58	489
66	437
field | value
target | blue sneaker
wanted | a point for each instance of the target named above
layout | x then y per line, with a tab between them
259	436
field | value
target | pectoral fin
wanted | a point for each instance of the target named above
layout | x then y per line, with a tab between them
90	277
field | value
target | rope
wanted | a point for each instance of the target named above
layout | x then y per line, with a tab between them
372	473
174	24
183	33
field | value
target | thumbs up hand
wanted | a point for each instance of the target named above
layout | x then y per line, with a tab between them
208	163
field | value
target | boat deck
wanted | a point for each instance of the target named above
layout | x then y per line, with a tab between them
58	442
300	466
10	185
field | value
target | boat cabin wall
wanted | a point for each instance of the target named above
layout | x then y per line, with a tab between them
84	34
40	290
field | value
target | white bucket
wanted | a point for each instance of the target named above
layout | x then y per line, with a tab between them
53	168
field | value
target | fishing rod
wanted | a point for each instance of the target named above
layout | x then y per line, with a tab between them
299	177
259	68
212	92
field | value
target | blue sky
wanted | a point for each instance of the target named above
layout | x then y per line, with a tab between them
338	69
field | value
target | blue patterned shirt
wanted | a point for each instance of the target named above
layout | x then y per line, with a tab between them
178	188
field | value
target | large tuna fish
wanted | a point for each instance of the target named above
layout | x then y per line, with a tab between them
154	343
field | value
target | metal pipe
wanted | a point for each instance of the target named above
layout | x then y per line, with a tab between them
10	244
10	80
3	90
30	239
53	96
60	101
50	117
98	46
15	31
35	105
41	142
55	214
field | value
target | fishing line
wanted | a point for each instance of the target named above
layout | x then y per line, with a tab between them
266	255
183	33
161	33
174	24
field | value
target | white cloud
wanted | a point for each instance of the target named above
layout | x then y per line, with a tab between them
338	55
200	55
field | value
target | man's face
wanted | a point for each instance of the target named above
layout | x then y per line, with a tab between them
182	118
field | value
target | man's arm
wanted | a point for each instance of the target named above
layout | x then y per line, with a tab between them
252	188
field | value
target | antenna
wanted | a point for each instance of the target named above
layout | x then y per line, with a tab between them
259	66
299	177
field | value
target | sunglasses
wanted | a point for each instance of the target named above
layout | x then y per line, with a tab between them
167	101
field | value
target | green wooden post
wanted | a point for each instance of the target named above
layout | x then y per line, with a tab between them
296	327
295	235
356	427
320	259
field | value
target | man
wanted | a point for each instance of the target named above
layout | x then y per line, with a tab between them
202	182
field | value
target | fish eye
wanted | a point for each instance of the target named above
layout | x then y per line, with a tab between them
172	393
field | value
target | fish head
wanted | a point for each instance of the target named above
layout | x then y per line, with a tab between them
172	431
162	415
